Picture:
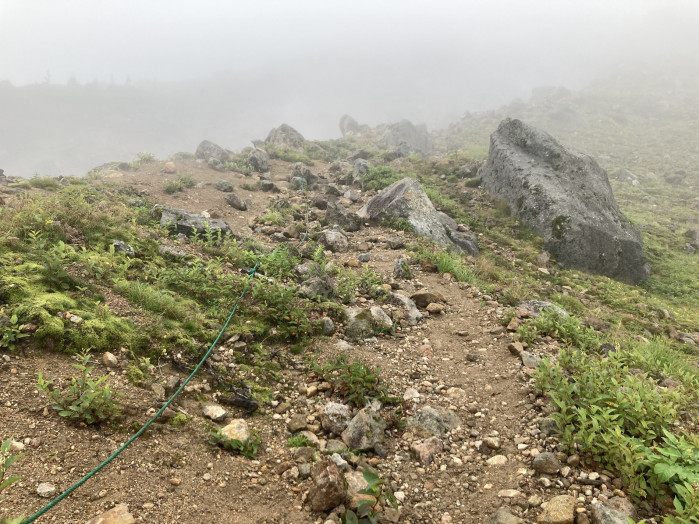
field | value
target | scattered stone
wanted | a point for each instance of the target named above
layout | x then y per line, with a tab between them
546	463
509	494
328	488
401	270
109	360
411	394
215	412
365	430
426	450
236	430
435	309
123	247
380	318
258	159
189	224
364	257
359	324
423	299
395	243
503	516
433	422
548	426
558	510
46	490
285	135
212	154
515	348
337	214
328	326
529	360
535	307
497	460
316	287
119	514
169	168
236	202
335	240
224	185
335	418
297	423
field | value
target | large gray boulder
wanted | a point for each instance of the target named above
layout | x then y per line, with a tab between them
212	154
348	125
406	200
285	135
566	197
405	133
259	160
189	224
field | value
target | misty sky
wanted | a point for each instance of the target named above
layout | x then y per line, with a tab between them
257	63
554	41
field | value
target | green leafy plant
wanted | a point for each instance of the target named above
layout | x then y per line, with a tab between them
298	441
145	157
11	333
86	400
172	186
248	448
7	458
367	509
354	381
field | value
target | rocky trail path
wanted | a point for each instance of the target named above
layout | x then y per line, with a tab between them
474	428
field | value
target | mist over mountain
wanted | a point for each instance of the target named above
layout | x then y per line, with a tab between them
102	82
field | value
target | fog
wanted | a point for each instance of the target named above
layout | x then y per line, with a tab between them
87	81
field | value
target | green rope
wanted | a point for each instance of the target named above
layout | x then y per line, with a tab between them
126	444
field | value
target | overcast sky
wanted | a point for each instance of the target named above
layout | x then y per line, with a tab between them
533	40
256	63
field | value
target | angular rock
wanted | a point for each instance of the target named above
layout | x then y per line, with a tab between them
236	430
423	299
335	240
297	423
536	307
119	514
258	160
413	315
365	430
317	287
181	221
328	488
381	319
235	202
359	324
426	450
404	133
335	418
109	360
558	510
503	516
348	125
359	170
171	252
406	200
529	360
547	463
603	515
285	135
496	460
308	179
215	412
328	326
401	269
224	185
212	153
337	214
567	199
46	490
433	422
123	247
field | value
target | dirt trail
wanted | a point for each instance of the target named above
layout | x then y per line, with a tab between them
172	475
